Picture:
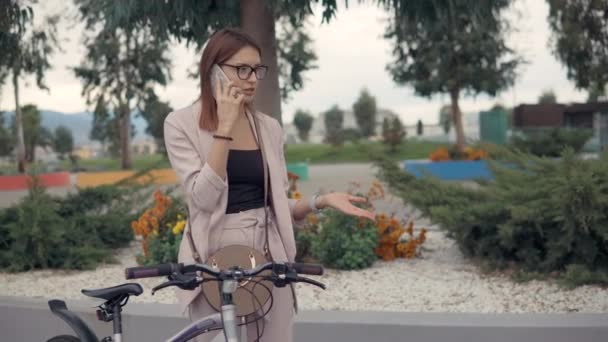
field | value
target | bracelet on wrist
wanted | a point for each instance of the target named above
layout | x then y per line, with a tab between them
224	137
313	203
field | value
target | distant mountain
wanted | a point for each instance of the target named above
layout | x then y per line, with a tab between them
80	124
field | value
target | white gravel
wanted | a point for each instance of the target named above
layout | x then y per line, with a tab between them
440	281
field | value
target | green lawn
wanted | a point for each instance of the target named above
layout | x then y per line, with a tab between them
104	164
313	153
359	152
107	164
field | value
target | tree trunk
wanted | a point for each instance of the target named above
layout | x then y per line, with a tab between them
30	151
457	120
19	126
124	109
125	137
257	20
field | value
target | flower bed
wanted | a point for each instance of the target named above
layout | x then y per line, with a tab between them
47	180
449	164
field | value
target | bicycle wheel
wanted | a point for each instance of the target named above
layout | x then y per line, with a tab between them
64	338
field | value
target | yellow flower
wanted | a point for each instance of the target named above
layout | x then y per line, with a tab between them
154	223
179	227
296	195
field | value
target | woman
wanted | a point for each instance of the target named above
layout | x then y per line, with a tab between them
214	148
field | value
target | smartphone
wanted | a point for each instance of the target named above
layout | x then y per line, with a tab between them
218	79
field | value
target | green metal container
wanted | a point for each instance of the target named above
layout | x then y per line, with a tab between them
300	169
493	126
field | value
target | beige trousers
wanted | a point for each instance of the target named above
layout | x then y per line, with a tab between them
247	228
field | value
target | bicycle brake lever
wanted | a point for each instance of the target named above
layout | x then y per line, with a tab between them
184	282
165	284
311	281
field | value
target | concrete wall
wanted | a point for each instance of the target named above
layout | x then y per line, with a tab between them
29	319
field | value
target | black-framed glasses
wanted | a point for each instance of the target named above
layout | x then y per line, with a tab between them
244	71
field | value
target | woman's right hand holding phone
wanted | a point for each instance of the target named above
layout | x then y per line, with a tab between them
230	102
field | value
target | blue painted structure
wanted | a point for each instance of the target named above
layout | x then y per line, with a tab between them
454	170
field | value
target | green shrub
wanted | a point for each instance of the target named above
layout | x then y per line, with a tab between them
304	240
540	215
112	228
345	242
77	232
106	210
351	134
162	249
550	142
38	237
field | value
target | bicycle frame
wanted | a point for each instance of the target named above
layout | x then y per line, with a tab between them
225	320
84	332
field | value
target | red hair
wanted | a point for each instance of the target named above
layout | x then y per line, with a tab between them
222	45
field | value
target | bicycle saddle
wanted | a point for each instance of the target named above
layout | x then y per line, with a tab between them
109	293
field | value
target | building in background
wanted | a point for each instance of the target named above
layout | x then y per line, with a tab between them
144	147
90	150
592	116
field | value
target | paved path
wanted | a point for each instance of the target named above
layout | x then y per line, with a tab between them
8	198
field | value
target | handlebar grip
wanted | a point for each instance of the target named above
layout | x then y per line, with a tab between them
159	270
310	269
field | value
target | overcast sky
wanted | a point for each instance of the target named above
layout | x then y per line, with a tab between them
351	55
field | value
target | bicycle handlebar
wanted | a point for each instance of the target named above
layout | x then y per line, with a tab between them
160	270
309	269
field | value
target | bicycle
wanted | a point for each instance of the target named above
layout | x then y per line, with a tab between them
187	277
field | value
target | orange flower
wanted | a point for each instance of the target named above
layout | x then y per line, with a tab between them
390	245
313	219
386	252
401	249
150	220
440	154
296	195
382	226
421	236
392	237
395	235
477	155
382	223
395	223
412	249
375	191
410	229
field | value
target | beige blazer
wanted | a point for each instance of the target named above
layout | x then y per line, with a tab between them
207	194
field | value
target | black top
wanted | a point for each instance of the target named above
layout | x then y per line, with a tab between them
245	180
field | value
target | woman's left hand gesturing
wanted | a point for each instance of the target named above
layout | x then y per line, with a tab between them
342	201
